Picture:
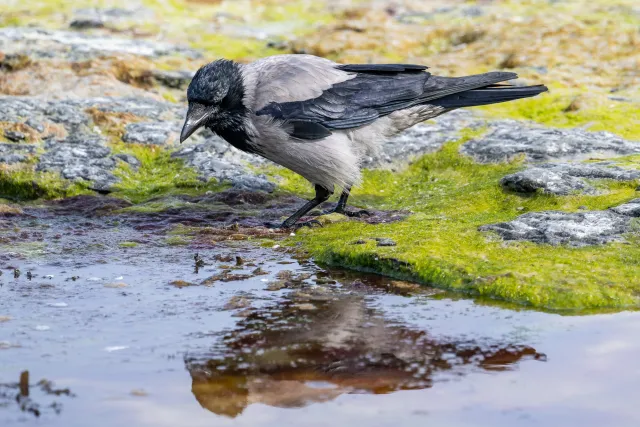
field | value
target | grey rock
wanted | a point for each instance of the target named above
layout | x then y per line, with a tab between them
80	158
115	17
15	136
565	178
631	209
555	228
143	107
116	13
600	170
173	79
42	44
16	153
17	109
573	229
472	11
216	159
424	138
87	23
71	113
252	182
383	241
155	133
83	154
533	179
130	159
67	114
33	124
509	138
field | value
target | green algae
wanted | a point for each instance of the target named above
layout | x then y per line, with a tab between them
440	245
128	244
158	175
176	241
24	183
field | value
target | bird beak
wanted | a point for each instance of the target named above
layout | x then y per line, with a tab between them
197	116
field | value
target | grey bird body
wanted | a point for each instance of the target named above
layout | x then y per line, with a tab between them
319	118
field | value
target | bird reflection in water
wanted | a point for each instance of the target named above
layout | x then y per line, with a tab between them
286	357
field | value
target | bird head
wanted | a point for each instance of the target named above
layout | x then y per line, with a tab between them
215	98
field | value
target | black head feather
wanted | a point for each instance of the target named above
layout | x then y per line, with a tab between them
217	89
217	83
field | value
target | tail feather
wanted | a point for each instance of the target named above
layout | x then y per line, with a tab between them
491	94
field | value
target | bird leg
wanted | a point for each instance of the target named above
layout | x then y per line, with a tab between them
342	205
322	194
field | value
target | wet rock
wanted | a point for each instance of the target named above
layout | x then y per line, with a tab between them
88	205
237	302
71	45
14	135
155	133
276	285
565	178
574	229
239	197
507	139
216	159
173	79
181	283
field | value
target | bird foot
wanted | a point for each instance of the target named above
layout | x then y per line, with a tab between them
351	214
311	223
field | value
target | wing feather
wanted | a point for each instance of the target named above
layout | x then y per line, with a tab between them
306	89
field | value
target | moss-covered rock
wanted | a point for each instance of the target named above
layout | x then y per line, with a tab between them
441	244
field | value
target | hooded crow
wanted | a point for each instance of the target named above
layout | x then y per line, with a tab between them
319	118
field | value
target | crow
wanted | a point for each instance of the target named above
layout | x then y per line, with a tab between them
320	118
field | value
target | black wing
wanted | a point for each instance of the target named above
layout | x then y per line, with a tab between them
376	91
